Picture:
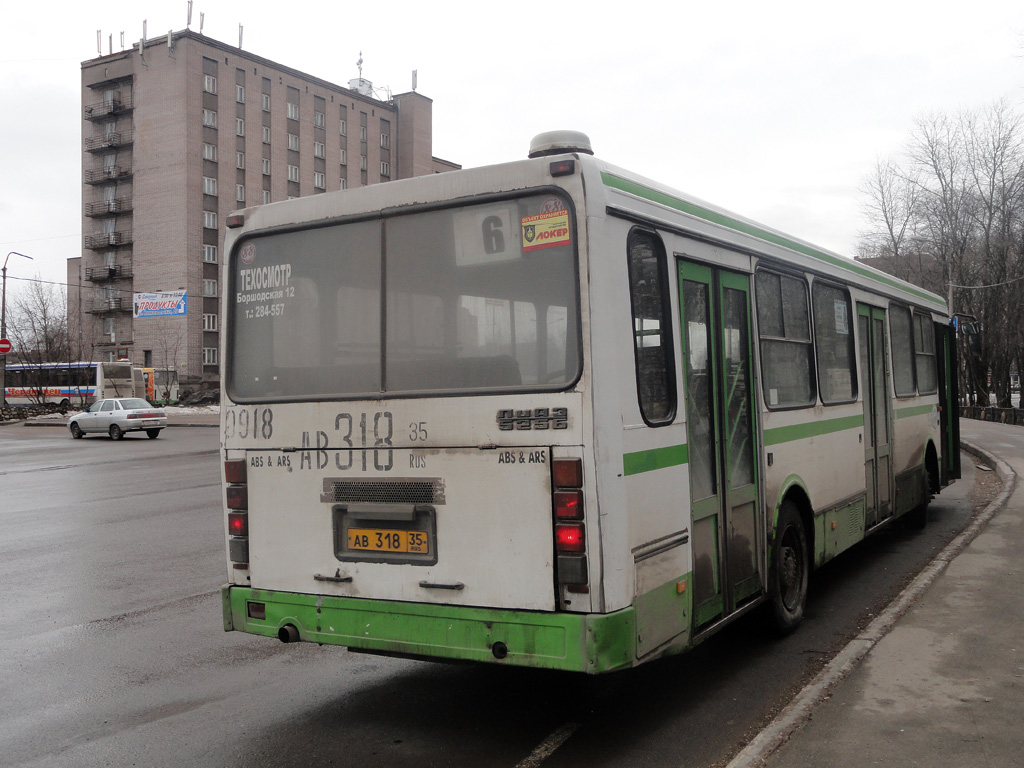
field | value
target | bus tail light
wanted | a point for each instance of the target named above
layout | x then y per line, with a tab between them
570	532
237	497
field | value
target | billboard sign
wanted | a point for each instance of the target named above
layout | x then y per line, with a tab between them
165	304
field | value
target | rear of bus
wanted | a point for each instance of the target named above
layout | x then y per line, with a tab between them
404	419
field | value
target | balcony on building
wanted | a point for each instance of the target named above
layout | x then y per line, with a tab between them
104	109
108	304
103	274
107	239
109	141
113	207
107	175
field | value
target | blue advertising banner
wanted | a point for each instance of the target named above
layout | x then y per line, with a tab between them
165	304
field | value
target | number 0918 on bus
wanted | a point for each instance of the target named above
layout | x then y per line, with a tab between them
553	414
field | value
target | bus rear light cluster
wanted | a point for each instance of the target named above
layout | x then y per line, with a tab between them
570	531
237	495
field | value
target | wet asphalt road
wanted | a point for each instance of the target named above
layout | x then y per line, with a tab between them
112	649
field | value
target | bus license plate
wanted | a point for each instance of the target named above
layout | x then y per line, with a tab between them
388	540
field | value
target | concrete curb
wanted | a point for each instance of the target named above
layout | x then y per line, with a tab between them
799	710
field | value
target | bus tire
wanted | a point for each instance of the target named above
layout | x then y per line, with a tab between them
65	404
115	432
76	432
789	570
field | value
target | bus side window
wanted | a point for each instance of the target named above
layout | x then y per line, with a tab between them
652	338
783	324
901	342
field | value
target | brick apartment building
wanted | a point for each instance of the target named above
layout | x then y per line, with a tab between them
178	132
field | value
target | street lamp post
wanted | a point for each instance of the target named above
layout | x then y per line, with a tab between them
3	329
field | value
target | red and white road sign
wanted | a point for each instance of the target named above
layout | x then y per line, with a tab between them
5	346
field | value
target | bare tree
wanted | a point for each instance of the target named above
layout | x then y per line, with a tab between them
951	218
37	323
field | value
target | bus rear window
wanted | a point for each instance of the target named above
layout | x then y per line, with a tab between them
475	298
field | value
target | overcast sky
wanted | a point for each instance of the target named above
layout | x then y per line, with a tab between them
777	111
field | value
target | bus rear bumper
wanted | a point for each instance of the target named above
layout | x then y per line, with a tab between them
590	643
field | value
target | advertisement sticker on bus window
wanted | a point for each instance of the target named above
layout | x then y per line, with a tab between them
483	235
545	230
839	307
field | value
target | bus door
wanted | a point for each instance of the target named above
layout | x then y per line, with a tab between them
721	437
877	414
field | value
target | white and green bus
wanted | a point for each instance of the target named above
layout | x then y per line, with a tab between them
553	414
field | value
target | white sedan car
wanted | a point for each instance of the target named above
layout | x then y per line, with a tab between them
118	415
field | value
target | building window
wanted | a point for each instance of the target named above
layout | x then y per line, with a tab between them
209	185
293	111
362	162
318	149
209	356
293	173
318	120
293	141
209	83
344	184
239	159
240	94
342	128
266	196
318	180
266	166
385	140
210	152
266	134
210	254
362	133
239	126
209	287
240	193
209	118
266	102
209	322
108	326
385	169
210	219
344	157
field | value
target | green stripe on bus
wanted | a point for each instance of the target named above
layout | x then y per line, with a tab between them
811	429
916	410
655	196
656	458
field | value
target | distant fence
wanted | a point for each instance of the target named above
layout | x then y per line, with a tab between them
991	413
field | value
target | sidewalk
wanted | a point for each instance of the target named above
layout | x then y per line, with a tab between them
938	679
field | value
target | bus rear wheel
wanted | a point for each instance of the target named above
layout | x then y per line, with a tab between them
789	570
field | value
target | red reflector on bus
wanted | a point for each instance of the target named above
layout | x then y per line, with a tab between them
569	537
569	505
567	473
235	221
238	497
238	524
562	167
234	471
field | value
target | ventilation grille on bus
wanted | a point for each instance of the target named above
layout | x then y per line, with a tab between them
397	491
